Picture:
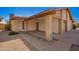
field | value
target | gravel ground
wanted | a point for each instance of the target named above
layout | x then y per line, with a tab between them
11	43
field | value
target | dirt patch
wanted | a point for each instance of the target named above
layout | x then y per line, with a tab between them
13	45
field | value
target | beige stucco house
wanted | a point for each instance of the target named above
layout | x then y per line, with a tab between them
49	21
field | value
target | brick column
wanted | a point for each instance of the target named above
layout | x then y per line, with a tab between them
48	27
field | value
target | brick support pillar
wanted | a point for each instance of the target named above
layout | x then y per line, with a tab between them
48	27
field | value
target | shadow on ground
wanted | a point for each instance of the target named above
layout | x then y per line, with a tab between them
5	37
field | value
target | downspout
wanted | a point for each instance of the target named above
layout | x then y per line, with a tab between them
61	36
66	20
61	23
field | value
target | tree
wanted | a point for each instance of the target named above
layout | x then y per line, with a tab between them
74	25
7	25
1	18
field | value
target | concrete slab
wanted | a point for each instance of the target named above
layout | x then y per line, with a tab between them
42	45
64	44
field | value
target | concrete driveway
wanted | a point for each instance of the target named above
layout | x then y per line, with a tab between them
73	36
67	41
26	42
11	43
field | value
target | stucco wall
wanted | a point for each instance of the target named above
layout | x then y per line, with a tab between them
42	25
16	25
20	25
55	25
69	22
64	14
31	25
58	14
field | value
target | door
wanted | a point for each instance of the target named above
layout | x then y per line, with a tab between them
37	26
23	26
65	26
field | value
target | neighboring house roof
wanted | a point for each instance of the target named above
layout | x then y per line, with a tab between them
18	18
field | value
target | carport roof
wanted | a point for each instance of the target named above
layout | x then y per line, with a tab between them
43	13
49	11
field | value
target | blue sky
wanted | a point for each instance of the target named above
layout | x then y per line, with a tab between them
28	11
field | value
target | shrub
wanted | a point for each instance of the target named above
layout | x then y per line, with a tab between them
12	33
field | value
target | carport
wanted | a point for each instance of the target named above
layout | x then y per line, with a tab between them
43	25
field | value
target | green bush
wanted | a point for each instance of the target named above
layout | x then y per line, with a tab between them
12	33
